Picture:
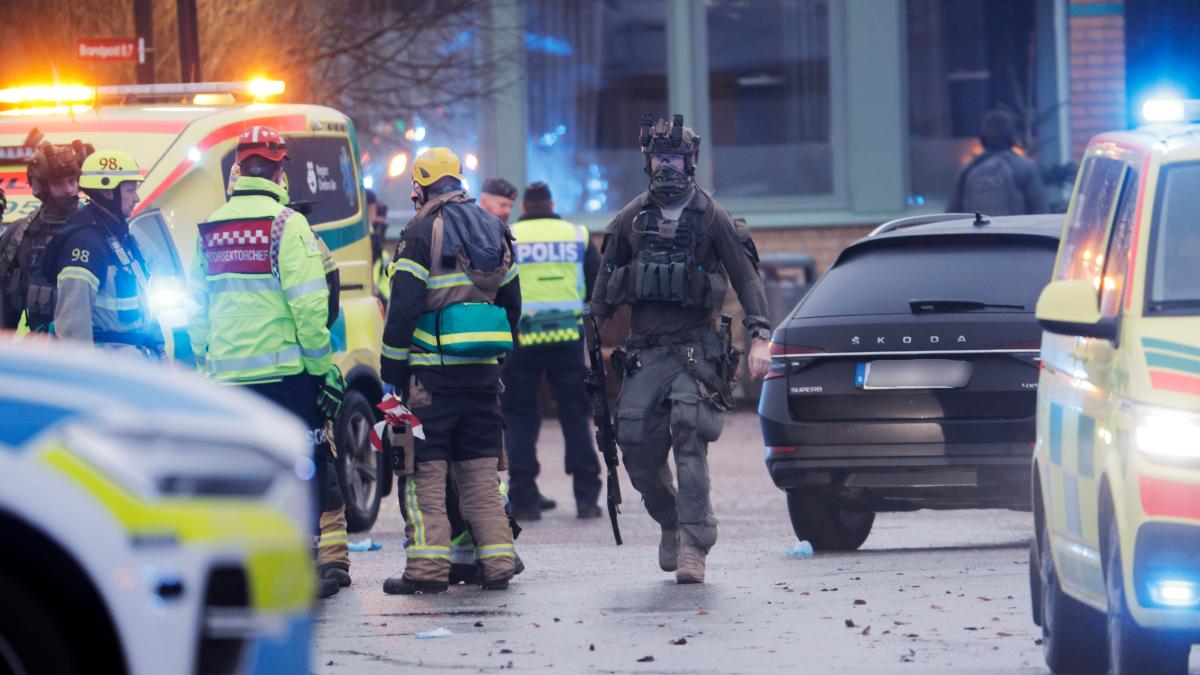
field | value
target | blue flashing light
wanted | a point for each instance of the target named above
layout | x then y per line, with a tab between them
368	182
1163	110
548	44
1174	592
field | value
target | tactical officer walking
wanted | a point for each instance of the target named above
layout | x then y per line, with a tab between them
53	175
262	316
101	275
669	254
454	309
557	262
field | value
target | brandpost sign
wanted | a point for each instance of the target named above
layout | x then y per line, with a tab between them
110	49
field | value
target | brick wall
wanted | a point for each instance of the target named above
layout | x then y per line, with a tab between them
1097	69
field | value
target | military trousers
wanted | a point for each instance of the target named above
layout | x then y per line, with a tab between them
298	395
660	412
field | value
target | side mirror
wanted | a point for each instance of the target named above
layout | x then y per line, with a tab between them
1070	308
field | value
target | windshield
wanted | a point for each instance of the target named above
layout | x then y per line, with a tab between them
973	274
1174	267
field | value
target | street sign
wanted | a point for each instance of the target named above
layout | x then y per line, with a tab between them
109	49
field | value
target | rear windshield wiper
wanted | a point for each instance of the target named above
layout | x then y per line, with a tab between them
924	306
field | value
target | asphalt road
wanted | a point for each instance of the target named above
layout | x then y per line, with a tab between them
929	592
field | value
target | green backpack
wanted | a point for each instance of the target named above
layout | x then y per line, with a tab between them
478	329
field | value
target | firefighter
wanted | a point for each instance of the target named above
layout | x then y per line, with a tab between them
455	305
669	254
100	274
261	320
559	262
53	175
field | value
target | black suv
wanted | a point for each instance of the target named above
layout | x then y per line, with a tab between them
907	376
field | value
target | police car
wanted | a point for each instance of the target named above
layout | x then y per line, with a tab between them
1116	469
152	523
187	152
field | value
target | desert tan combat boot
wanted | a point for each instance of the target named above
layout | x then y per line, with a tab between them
668	550
691	560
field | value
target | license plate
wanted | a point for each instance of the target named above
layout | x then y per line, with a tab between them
913	374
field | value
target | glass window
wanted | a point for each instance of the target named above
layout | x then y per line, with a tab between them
769	87
880	280
1117	258
593	68
1175	251
965	57
1087	223
156	245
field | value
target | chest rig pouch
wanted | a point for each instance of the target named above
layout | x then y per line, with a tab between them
667	266
25	285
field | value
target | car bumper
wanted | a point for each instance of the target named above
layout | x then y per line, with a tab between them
1165	552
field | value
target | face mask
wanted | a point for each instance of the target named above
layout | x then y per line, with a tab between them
669	185
60	208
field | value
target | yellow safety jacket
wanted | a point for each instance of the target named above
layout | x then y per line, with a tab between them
550	253
258	281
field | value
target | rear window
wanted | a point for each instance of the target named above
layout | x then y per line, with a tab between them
320	172
884	280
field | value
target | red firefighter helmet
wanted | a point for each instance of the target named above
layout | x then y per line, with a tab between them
262	141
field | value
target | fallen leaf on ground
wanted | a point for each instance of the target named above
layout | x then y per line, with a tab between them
537	625
702	613
479	624
935	607
680	641
646	659
591	648
866	631
850	623
506	651
985	599
1003	634
556	619
860	602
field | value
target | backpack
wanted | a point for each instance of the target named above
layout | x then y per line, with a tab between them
990	185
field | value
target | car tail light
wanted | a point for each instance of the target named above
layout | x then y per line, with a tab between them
1033	358
780	353
780	449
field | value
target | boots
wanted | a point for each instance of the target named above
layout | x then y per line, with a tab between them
668	550
406	586
336	572
327	587
691	560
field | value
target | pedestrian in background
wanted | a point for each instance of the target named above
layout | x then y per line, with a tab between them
558	263
998	182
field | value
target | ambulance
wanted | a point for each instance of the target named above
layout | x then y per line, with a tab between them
1115	560
183	137
152	523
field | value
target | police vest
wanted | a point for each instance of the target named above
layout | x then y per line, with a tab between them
550	253
460	321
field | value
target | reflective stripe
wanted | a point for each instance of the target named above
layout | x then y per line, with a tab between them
116	304
455	338
427	359
414	512
254	362
411	266
548	336
395	354
79	274
317	352
495	551
306	288
574	306
432	552
241	284
330	265
510	274
449	280
333	539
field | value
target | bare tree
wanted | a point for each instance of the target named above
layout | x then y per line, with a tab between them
377	60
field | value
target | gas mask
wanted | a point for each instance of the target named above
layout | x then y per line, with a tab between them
669	186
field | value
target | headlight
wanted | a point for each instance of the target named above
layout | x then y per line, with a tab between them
1168	434
157	465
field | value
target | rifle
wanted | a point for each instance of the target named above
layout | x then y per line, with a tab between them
606	438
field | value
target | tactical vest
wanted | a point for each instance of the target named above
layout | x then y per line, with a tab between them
25	284
550	253
460	319
666	264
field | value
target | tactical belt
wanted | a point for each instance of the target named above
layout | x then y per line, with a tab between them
651	341
718	392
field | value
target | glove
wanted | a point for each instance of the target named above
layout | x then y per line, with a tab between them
331	392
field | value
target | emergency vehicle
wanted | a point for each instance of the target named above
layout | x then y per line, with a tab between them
1115	560
184	137
152	523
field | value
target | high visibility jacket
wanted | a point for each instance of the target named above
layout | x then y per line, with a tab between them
258	282
550	253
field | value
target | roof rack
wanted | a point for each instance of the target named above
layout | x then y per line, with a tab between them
924	219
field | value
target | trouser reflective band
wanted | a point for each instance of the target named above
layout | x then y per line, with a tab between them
462	549
431	552
331	538
495	551
419	548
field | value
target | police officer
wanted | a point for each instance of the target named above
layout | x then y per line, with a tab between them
669	254
261	320
497	197
557	262
100	273
455	305
53	175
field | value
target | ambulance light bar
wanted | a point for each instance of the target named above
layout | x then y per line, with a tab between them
1171	110
77	93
